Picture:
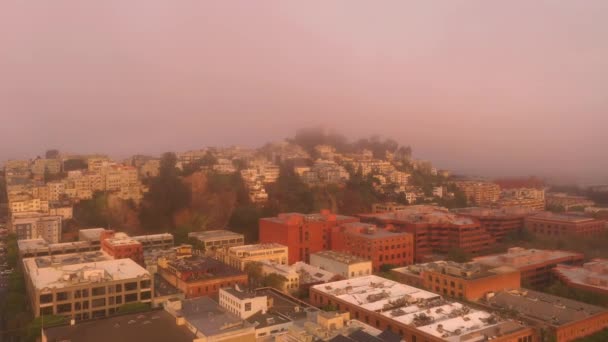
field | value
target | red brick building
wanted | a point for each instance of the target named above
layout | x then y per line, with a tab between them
436	230
535	265
120	246
380	245
592	276
498	222
563	225
200	276
303	234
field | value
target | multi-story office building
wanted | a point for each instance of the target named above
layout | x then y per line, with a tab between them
562	319
380	245
302	234
213	240
479	193
200	276
239	256
344	264
469	281
591	276
415	314
436	230
498	222
84	285
564	225
531	198
36	225
535	265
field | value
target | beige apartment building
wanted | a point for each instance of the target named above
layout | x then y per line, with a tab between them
239	256
343	264
32	225
85	285
27	203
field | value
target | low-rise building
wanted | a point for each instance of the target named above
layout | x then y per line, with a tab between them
66	211
415	314
120	246
387	207
40	247
299	276
92	235
591	276
200	276
564	225
131	327
155	241
239	256
469	281
84	285
213	240
344	264
209	321
535	265
564	319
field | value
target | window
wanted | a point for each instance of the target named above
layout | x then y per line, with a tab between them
131	286
248	306
46	298
98	302
61	296
131	297
98	291
46	311
145	295
118	299
63	308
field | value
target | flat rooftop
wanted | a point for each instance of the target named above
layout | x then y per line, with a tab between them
257	247
573	218
91	234
153	237
74	269
286	305
342	257
468	271
319	217
369	231
203	268
550	309
592	274
41	244
152	326
422	214
122	239
507	212
427	311
311	274
210	318
521	257
215	235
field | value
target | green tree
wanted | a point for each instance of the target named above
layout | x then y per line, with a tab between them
274	280
35	326
167	195
254	273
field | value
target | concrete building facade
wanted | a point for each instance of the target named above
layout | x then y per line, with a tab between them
341	263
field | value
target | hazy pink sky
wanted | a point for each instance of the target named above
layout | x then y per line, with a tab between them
490	87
